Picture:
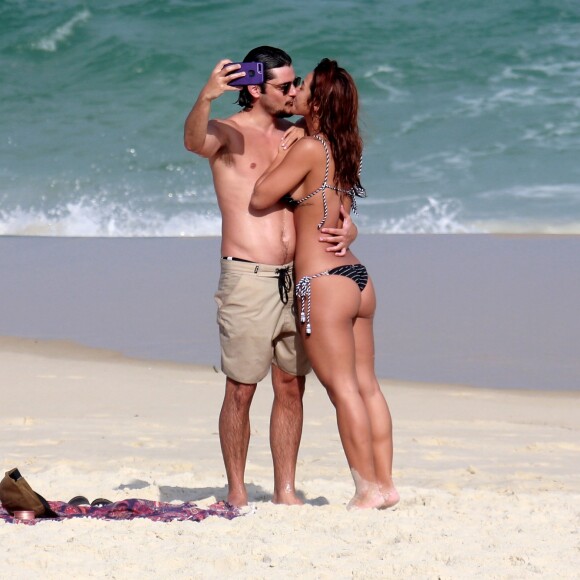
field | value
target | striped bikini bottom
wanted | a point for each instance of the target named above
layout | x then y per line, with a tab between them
356	272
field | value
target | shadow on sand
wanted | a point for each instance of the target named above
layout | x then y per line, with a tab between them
256	493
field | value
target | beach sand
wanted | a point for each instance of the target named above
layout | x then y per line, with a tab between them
489	478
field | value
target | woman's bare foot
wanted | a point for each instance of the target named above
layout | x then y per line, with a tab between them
391	497
367	496
367	502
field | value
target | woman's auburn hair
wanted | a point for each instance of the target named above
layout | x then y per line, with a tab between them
334	103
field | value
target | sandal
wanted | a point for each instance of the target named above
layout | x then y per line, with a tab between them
100	502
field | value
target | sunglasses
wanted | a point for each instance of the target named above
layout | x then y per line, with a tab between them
285	87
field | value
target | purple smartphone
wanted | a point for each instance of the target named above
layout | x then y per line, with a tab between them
254	74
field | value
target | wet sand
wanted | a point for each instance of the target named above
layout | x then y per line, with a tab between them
490	311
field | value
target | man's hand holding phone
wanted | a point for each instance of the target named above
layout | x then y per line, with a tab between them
231	76
253	74
217	83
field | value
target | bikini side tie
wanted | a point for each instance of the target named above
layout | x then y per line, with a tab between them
303	290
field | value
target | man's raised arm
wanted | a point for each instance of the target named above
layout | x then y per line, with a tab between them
199	134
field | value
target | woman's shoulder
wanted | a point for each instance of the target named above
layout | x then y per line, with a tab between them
310	145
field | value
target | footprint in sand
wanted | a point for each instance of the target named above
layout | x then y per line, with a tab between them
20	421
38	443
146	442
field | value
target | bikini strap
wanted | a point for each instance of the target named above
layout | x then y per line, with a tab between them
322	187
353	192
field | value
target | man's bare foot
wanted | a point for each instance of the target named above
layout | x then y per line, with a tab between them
287	498
238	498
286	495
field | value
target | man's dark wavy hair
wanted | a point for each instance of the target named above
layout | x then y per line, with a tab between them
270	57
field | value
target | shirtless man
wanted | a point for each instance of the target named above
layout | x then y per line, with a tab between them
255	295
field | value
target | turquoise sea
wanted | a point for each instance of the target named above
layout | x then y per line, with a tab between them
470	110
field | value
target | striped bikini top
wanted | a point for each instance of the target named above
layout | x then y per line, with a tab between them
353	192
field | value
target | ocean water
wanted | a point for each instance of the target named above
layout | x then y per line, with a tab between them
470	110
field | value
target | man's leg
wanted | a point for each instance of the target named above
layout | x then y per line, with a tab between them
285	433
234	428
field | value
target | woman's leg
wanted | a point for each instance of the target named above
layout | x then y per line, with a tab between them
374	401
331	349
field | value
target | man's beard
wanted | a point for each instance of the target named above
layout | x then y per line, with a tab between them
281	113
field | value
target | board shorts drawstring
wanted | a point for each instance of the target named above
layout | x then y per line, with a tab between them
284	283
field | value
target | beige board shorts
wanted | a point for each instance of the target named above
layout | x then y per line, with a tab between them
256	328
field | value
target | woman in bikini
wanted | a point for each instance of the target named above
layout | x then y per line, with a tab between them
319	174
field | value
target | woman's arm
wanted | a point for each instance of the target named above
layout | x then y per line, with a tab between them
288	170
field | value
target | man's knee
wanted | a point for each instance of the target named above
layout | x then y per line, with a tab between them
287	386
241	394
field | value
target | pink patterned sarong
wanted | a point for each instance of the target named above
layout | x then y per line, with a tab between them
130	509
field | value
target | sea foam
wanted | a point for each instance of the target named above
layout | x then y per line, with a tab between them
50	42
